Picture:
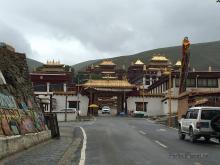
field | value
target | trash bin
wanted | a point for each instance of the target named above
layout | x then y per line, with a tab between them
52	124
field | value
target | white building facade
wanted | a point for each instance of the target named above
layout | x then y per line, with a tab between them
202	81
153	106
70	101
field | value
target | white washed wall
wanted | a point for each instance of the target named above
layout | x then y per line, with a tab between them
83	104
70	116
154	106
174	106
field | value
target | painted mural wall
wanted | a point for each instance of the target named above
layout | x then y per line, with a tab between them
18	121
19	111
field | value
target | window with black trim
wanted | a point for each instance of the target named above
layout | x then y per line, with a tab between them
73	104
202	82
191	82
139	106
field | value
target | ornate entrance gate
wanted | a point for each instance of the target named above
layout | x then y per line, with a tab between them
108	92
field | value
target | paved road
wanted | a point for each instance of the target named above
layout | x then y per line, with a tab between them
129	141
120	141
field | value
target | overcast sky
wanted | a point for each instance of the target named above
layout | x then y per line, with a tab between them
73	31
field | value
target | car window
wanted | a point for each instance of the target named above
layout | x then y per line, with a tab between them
209	114
194	114
187	115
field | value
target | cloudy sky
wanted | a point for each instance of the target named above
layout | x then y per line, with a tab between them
73	31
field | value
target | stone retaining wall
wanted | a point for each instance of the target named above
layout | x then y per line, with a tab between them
14	68
12	144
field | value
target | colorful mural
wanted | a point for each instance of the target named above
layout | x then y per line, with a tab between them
7	101
17	121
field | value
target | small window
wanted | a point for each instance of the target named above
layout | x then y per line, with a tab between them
207	82
73	104
212	83
139	106
190	82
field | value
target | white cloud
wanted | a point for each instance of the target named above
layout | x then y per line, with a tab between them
79	30
68	51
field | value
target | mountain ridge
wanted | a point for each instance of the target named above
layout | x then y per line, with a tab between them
208	53
33	64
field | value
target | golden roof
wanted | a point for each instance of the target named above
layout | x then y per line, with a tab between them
159	58
107	62
178	63
108	84
139	62
53	63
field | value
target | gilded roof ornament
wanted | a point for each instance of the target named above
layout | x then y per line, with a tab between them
159	58
139	62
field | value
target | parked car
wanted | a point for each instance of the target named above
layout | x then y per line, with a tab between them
106	109
200	122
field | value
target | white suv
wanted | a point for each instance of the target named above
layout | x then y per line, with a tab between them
200	122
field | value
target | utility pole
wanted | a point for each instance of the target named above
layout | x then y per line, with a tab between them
124	104
77	108
66	109
144	79
169	98
51	103
143	99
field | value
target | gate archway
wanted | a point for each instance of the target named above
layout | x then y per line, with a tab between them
113	92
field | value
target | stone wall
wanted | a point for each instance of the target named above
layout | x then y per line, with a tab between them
9	145
15	71
22	123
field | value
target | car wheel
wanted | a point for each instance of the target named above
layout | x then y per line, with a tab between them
181	135
207	138
192	137
215	123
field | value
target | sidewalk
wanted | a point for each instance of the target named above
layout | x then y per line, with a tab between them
65	150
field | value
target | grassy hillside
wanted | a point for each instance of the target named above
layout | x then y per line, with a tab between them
33	64
83	65
202	56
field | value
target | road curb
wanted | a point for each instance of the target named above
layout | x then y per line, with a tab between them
70	157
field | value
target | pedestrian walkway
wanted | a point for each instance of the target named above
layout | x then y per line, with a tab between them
55	151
